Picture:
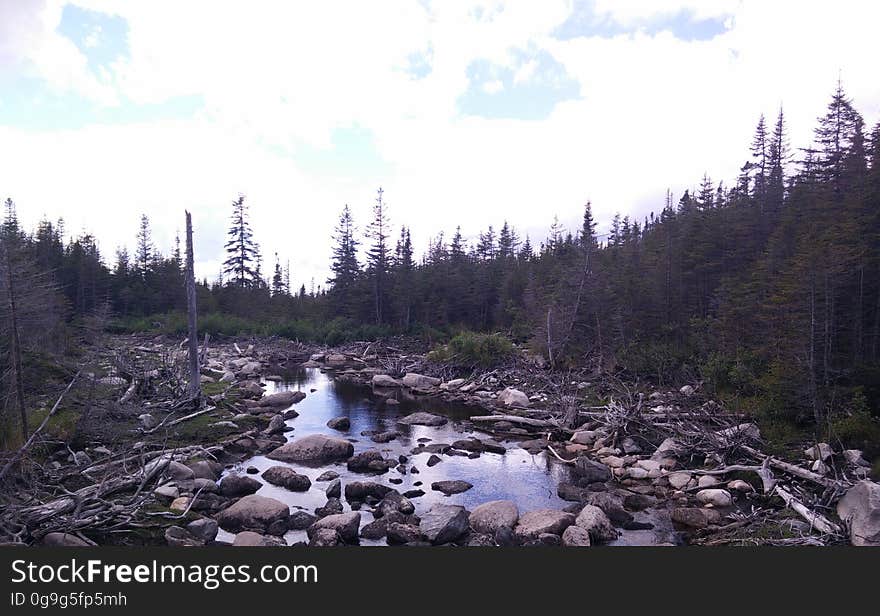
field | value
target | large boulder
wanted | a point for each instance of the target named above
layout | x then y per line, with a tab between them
860	509
313	448
250	539
238	485
255	513
576	537
370	460
596	523
419	381
590	471
287	478
383	380
423	419
694	517
346	525
513	397
715	497
339	423
358	491
282	398
444	523
543	521
203	528
64	540
449	487
489	517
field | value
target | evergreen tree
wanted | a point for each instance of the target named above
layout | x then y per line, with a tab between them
241	250
378	255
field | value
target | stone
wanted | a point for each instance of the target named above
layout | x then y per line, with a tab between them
384	437
276	425
148	422
585	437
669	448
708	481
64	540
630	446
180	503
313	448
327	476
611	506
638	502
535	523
570	492
444	523
238	485
204	469
334	489
324	537
203	528
346	525
854	457
740	486
361	490
282	398
489	517
180	537
339	423
596	523
250	539
450	487
511	397
423	419
287	478
419	381
398	533
254	512
434	460
362	462
819	451
679	480
687	390
383	380
695	517
455	383
715	497
591	471
576	537
860	510
414	493
300	520
167	492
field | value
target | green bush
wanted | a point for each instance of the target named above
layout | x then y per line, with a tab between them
472	349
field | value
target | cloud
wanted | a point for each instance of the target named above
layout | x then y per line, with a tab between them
466	113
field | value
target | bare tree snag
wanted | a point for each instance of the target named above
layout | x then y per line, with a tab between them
195	386
15	346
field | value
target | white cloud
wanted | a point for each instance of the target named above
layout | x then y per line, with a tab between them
493	87
656	111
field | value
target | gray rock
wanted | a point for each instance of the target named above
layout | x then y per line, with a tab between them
398	533
64	540
514	398
860	509
715	497
346	525
324	538
327	476
180	537
444	523
313	448
148	422
334	489
276	425
204	469
238	485
360	490
282	398
384	437
250	539
576	537
339	423
450	487
203	528
423	419
591	471
383	380
364	461
420	381
489	517
300	520
596	523
694	517
254	512
287	478
535	523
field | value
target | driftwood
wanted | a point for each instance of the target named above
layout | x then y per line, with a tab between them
526	421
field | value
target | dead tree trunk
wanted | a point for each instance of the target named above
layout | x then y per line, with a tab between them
195	388
15	346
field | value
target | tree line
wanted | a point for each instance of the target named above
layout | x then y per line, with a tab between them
768	287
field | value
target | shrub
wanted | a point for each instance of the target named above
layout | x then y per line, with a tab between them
469	348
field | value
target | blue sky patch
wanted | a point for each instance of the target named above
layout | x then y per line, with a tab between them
353	153
102	38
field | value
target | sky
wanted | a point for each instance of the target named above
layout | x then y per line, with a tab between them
465	113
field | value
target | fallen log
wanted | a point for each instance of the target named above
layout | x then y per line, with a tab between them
526	421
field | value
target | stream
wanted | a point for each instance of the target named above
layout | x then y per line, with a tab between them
528	480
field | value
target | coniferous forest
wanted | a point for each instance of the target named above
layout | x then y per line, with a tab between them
765	287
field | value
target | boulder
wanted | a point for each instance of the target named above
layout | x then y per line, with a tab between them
346	525
148	422
535	523
444	523
364	461
450	487
860	510
680	480
250	539
64	540
591	471
423	419
596	523
334	489
384	437
203	528
398	533
327	476
255	513
313	448
203	469
180	537
576	537
489	517
287	478
336	360
514	397
358	491
715	497
419	381
819	451
585	437
383	380
276	425
339	423
300	520
282	398
324	537
695	517
238	485
687	390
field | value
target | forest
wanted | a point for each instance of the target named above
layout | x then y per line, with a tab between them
765	288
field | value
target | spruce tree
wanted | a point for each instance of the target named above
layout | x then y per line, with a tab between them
378	255
241	251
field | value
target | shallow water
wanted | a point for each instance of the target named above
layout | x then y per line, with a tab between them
528	480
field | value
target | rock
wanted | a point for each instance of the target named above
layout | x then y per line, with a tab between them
64	540
489	517
669	448
630	447
854	457
570	492
180	537
444	523
680	480
398	533
180	503
596	523
228	377
423	419
282	398
313	448
514	398
450	487
324	537
204	469
715	497
383	380
346	525
638	502
687	390
414	493
707	481
148	422
362	462
300	520
585	437
287	478
740	486
820	468
434	460
255	513
695	517
334	489
860	510
419	381
360	490
250	539
535	523
591	471
336	360
331	507
339	423
113	381
276	425
455	383
384	437
203	528
327	476
576	537
611	506
238	485
820	451
741	432
167	492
